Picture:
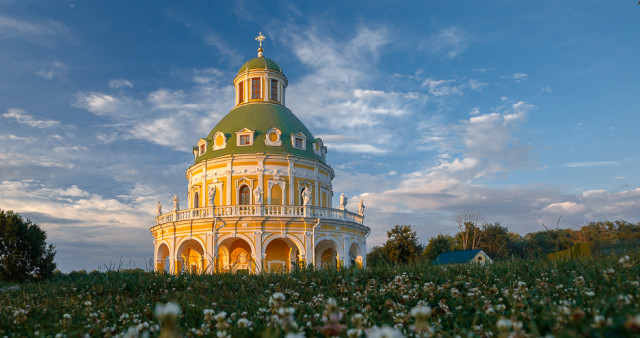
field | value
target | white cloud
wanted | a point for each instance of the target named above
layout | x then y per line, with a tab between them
57	70
73	203
564	208
120	83
519	77
12	28
22	117
449	42
15	138
358	148
172	118
441	87
590	164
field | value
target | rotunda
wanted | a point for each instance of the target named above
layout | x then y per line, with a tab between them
259	192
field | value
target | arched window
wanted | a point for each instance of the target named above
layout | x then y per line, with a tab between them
276	195
196	198
245	195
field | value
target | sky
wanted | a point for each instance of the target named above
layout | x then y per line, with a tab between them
524	112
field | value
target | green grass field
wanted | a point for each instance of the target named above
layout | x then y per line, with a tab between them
591	297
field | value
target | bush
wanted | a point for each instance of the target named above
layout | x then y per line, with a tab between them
24	253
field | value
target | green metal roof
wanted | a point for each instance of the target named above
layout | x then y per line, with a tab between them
260	63
464	256
260	117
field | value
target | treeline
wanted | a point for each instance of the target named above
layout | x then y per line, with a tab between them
402	245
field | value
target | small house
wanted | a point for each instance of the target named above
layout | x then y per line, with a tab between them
464	256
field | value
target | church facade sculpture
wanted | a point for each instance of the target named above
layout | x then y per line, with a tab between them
259	194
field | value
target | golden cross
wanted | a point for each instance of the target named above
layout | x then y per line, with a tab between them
260	37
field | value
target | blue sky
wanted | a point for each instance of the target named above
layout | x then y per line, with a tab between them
520	111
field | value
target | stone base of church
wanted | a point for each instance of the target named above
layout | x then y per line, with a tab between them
257	244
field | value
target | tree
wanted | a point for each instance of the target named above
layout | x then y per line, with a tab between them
24	253
376	257
470	233
402	245
496	240
437	245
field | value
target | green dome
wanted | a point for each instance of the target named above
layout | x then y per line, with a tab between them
260	63
260	117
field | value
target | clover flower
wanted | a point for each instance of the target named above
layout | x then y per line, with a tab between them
625	261
633	323
244	323
384	332
601	321
503	324
331	316
421	314
168	317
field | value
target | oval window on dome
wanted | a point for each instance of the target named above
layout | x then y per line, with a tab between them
219	141
273	137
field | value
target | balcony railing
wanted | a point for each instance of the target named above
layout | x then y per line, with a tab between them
260	210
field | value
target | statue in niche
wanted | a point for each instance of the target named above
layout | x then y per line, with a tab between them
306	197
257	196
343	202
212	196
361	208
158	209
176	202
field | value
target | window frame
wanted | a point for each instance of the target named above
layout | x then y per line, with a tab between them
244	195
274	90
256	83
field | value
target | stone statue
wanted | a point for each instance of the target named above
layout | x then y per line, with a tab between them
306	197
343	202
176	203
361	208
158	209
212	196
257	196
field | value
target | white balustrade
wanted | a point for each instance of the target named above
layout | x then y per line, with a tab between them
259	210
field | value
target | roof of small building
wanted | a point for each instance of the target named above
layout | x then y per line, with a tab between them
261	62
463	256
260	117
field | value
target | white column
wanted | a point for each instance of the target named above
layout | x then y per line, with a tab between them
259	250
292	187
229	183
310	247
316	191
172	256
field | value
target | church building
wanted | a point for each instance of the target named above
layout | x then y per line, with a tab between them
259	193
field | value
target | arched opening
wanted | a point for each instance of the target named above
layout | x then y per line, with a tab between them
196	200
245	195
280	255
234	255
326	254
276	195
324	200
355	255
163	261
190	257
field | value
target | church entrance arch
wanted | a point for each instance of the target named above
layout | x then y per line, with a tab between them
190	257
234	255
326	254
163	261
281	254
355	255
